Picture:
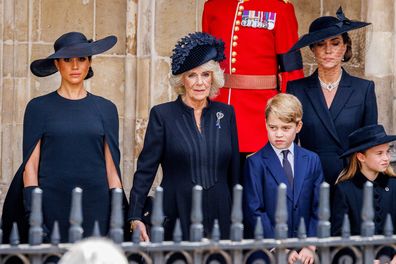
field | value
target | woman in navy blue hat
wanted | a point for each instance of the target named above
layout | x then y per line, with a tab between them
369	161
194	139
334	102
70	139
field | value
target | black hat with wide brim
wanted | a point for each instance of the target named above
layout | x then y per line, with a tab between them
367	137
326	27
71	45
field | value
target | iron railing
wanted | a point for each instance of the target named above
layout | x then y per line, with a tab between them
360	249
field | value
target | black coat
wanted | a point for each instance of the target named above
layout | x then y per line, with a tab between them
348	199
325	131
188	157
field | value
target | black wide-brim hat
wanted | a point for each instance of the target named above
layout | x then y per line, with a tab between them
194	50
71	45
367	137
326	27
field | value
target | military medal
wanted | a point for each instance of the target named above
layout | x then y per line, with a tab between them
271	20
258	19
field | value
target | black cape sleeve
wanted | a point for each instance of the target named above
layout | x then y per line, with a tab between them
13	209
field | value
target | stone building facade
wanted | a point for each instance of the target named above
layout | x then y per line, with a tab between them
134	74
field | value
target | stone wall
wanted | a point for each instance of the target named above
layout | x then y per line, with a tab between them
134	74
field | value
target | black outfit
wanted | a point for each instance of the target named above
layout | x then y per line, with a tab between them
325	130
348	199
72	134
188	157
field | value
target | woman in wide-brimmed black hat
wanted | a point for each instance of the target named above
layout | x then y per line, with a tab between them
194	139
369	161
70	139
335	103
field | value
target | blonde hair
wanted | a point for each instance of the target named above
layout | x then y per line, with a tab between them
286	107
354	165
176	81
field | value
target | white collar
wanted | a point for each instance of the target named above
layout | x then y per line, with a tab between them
279	151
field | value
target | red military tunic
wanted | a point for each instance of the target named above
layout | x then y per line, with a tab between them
254	32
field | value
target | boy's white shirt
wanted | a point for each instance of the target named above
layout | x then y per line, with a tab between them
290	157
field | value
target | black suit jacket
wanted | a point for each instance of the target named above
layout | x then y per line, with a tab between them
325	131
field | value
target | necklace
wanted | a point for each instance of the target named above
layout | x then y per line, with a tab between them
330	86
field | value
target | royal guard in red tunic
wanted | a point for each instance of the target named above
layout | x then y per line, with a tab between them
257	35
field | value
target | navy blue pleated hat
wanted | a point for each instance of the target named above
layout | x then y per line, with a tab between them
367	137
71	45
326	27
194	50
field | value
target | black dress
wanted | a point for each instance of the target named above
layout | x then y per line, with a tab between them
188	157
72	134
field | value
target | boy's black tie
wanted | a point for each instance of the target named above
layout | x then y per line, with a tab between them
287	168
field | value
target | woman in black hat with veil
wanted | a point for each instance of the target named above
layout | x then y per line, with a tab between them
70	139
334	102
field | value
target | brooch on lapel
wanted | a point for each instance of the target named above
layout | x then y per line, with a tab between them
386	189
219	116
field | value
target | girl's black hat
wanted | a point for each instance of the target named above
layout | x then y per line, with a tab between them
367	137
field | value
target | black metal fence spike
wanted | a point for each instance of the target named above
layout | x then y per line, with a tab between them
236	214
216	231
96	229
231	250
346	227
14	236
177	232
196	228
55	236
367	228
76	216
136	236
388	227
324	211
258	230
36	218
302	230
281	228
116	219
157	231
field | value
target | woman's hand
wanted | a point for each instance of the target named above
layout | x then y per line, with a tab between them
137	224
293	257
306	255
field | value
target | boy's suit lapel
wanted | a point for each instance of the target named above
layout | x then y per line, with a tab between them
300	167
276	169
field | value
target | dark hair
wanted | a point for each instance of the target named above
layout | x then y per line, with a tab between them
347	40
